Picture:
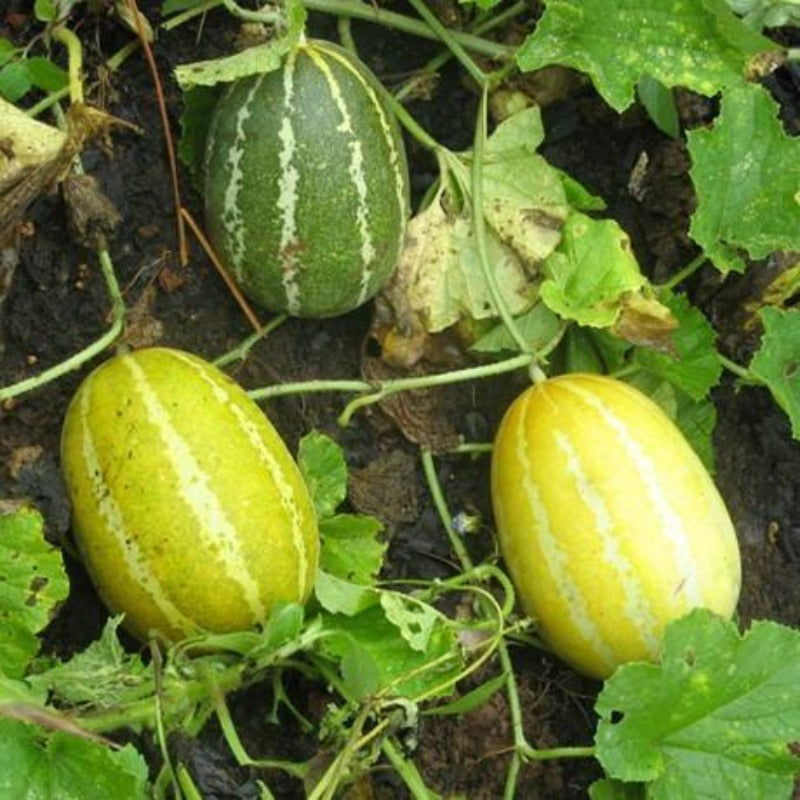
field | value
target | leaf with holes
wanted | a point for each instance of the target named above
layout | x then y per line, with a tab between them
32	584
777	361
746	172
700	45
714	719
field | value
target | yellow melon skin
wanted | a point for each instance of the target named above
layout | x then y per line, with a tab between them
607	520
188	509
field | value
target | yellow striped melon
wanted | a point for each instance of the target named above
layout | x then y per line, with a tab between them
306	183
607	520
187	507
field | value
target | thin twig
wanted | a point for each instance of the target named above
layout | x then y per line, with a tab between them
183	251
229	282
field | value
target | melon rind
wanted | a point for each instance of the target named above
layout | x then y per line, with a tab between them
608	521
306	184
188	509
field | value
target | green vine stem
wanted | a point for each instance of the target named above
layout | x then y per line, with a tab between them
429	381
744	374
268	15
381	389
408	771
479	223
370	13
685	272
453	45
440	60
522	750
241	352
79	359
435	488
74	60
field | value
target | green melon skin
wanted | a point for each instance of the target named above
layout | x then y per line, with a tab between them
307	184
188	509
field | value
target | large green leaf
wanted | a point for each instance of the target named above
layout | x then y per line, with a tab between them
714	719
777	361
590	271
746	172
35	765
699	44
32	584
102	675
695	368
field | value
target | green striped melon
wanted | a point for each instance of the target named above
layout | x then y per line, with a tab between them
187	507
306	184
607	520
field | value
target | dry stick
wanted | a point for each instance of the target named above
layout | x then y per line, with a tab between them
183	253
234	289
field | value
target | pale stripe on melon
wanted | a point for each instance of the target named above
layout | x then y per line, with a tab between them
286	492
144	581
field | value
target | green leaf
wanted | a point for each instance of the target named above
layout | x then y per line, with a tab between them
410	673
471	700
14	81
61	766
414	619
45	10
698	44
590	271
46	75
659	104
102	675
284	625
32	584
198	109
607	789
360	673
746	172
578	197
777	361
714	719
253	61
697	367
7	51
324	468
351	549
537	327
342	597
697	420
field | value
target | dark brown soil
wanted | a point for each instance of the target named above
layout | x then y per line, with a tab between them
57	304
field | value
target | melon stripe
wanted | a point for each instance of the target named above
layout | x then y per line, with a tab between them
637	607
288	190
110	512
195	490
663	513
254	437
232	216
555	558
356	172
386	126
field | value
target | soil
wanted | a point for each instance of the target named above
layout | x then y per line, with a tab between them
56	304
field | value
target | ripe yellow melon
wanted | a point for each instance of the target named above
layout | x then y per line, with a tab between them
607	520
187	507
